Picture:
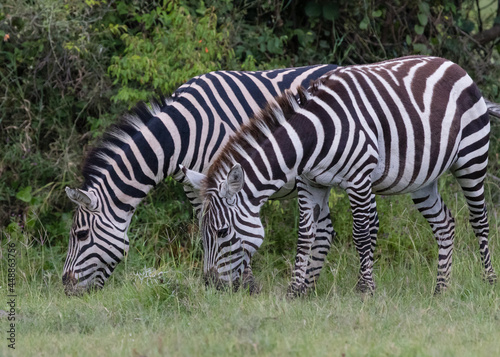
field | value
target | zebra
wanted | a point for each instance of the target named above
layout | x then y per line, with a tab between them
148	145
388	128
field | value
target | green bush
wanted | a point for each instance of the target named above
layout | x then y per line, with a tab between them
171	47
54	57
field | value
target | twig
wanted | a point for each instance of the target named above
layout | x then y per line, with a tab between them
479	16
493	177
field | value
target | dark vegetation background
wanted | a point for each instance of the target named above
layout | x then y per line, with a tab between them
70	68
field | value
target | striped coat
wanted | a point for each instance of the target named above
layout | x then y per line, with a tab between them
387	128
186	130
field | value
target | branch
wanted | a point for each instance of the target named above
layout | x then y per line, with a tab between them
487	36
479	16
493	177
483	37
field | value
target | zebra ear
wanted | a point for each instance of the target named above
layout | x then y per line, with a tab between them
81	197
234	182
193	178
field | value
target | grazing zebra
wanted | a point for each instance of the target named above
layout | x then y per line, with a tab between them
387	128
187	129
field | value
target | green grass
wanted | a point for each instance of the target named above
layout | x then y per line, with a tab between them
173	314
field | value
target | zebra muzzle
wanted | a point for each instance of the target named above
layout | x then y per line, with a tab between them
71	285
69	279
212	279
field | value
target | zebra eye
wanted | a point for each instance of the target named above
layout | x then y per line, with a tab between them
82	235
221	233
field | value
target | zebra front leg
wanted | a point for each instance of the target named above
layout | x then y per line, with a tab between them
312	201
324	237
431	205
248	281
374	225
320	247
364	214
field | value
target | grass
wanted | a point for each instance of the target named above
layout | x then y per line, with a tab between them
161	308
179	317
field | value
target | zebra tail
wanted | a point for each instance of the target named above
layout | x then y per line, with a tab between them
493	108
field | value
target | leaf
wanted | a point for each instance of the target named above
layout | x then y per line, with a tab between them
424	7
466	25
377	13
449	6
13	228
331	11
419	29
420	48
422	18
25	194
324	44
313	9
363	25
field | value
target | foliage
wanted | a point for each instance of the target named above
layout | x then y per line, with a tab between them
54	56
71	68
170	47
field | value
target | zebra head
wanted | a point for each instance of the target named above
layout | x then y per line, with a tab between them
96	244
231	232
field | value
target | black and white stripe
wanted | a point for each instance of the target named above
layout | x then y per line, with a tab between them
150	144
387	128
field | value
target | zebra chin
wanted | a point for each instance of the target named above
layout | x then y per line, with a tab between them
234	281
220	282
78	287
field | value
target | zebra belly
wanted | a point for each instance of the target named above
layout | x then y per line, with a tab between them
409	166
393	182
288	191
388	179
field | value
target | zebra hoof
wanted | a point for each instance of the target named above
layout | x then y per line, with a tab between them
490	277
248	283
440	289
295	291
365	287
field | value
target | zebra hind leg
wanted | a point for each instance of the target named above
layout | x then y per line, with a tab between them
478	217
430	204
374	226
312	201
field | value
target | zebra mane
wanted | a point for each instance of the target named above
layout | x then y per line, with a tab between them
257	130
96	159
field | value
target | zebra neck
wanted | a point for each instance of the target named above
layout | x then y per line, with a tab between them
147	147
131	160
266	176
188	138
